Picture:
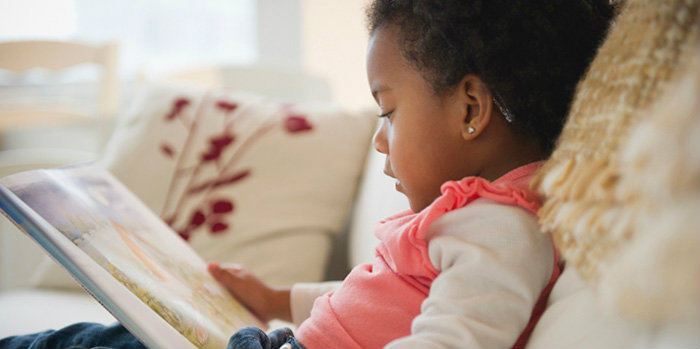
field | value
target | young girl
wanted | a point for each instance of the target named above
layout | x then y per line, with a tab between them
473	94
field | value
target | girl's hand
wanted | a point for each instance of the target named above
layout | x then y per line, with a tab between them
263	301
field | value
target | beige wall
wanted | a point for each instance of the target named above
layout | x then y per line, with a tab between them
333	44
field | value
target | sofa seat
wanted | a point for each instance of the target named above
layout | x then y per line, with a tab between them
34	310
573	319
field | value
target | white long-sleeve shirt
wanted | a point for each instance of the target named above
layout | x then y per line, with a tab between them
494	263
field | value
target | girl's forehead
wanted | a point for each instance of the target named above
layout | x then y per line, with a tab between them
384	58
385	38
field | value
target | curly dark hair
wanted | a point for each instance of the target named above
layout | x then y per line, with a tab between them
530	53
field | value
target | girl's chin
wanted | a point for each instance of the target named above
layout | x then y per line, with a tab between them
398	186
416	208
416	205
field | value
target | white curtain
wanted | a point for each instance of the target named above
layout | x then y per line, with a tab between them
154	35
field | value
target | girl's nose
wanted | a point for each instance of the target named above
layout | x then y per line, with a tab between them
379	141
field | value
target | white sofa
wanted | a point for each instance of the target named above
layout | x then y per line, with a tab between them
574	317
579	313
32	299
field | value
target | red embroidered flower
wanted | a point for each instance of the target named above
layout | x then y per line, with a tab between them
222	141
213	214
227	106
218	228
297	123
222	206
185	235
178	105
216	146
197	219
167	150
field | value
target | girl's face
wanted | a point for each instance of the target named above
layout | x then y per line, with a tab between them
420	133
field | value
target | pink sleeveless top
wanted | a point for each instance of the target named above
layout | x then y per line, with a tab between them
377	302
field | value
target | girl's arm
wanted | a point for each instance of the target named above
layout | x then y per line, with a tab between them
494	264
303	296
265	302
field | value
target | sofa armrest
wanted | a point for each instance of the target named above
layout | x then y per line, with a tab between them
19	255
575	318
30	311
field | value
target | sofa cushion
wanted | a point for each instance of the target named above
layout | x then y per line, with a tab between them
647	296
622	190
377	199
642	54
30	311
242	178
576	318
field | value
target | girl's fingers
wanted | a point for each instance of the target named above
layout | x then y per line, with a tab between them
243	285
213	267
230	276
217	269
232	266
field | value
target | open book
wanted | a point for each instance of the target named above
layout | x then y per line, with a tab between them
124	256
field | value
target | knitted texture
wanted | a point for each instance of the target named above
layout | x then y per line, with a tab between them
589	219
656	276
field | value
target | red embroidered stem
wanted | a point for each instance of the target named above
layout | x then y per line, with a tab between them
225	174
187	123
182	155
190	184
237	116
266	127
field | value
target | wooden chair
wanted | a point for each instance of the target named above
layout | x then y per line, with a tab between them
23	56
281	84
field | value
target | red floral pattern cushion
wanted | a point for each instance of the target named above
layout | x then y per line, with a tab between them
210	212
242	178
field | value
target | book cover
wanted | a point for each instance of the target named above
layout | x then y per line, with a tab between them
101	233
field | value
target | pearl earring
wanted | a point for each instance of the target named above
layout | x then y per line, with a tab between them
471	130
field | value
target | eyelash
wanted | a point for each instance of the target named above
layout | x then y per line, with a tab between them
385	115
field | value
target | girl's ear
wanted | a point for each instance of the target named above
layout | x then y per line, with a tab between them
478	106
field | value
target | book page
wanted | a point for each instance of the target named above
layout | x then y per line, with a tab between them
101	217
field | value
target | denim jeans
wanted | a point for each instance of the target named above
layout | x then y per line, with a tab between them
255	338
76	336
90	335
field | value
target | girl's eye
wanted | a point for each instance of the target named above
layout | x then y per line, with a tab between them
385	115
